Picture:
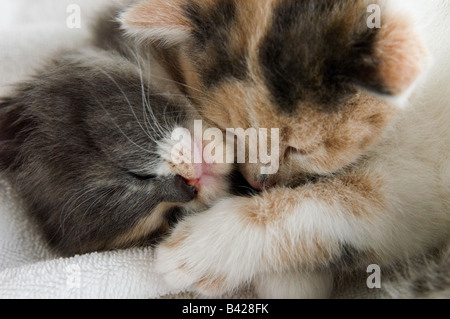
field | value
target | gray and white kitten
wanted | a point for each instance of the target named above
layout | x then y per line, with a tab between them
87	144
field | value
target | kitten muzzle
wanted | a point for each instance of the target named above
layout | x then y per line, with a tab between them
180	191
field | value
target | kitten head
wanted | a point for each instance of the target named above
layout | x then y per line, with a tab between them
86	144
314	69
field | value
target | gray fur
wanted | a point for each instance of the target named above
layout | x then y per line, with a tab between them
78	142
427	277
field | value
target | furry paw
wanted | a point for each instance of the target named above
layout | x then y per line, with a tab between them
206	252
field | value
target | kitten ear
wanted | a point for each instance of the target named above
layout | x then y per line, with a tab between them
396	60
157	20
13	130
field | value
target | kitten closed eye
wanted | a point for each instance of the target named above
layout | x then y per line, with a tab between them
142	177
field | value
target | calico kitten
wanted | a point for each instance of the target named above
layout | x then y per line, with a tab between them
363	110
87	143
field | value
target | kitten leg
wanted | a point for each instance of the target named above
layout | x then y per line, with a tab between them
335	221
295	285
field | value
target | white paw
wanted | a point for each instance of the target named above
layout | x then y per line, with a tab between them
205	253
173	268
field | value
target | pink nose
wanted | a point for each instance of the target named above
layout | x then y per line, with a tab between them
194	182
256	185
261	182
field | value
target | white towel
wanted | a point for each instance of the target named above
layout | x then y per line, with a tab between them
28	269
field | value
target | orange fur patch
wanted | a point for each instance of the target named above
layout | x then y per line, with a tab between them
360	193
355	193
212	286
176	240
155	222
158	13
402	55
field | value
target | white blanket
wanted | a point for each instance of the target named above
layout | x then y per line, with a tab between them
29	270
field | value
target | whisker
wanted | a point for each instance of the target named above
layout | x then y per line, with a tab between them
64	211
121	131
146	102
126	98
179	83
